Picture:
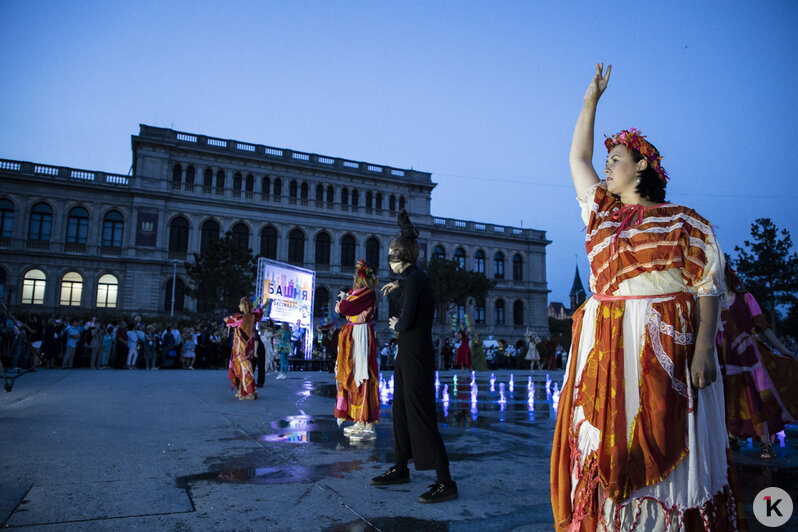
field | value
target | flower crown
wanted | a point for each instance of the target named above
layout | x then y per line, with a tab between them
364	270
632	139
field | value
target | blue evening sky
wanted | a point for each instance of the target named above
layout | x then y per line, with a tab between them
482	94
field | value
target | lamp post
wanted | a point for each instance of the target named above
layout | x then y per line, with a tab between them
174	281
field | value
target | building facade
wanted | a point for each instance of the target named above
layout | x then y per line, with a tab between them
73	238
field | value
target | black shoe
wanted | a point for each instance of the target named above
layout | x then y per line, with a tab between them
394	475
439	492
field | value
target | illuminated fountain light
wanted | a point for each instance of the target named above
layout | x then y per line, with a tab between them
455	382
473	378
555	396
474	393
390	384
474	412
529	382
445	395
502	397
512	383
492	382
548	382
437	380
781	438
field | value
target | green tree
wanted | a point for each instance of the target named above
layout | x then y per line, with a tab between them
221	275
766	266
454	286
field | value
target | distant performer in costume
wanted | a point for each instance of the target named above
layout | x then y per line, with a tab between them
640	440
356	368
239	368
415	422
478	360
464	351
759	382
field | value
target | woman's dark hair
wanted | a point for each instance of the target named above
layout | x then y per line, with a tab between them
733	282
406	244
651	187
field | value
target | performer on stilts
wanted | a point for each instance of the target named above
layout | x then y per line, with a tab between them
758	381
239	368
640	440
415	423
356	370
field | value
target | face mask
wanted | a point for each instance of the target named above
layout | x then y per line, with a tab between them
395	256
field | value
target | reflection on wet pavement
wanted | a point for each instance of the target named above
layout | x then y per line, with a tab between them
283	474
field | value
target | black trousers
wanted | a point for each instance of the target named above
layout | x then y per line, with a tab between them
415	422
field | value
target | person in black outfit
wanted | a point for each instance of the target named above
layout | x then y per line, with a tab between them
415	423
260	360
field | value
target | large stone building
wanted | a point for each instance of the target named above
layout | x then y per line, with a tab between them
78	238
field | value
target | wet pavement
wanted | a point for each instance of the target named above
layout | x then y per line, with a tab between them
173	450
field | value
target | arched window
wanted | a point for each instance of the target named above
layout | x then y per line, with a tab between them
355	197
6	218
401	202
249	184
378	201
373	252
459	256
241	236
112	229
498	265
178	235
499	312
296	247
292	190
177	174
107	290
479	310
348	251
268	242
321	302
71	289
303	193
344	196
518	312
392	203
190	172
518	267
369	201
266	185
330	194
180	295
220	178
77	226
319	195
209	233
41	222
207	180
322	249
237	179
33	286
479	261
438	252
278	188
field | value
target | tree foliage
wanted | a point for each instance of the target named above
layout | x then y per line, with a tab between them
221	275
455	285
766	267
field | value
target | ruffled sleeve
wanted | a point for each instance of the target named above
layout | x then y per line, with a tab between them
587	201
760	321
703	263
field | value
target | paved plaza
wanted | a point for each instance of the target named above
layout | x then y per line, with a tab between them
173	450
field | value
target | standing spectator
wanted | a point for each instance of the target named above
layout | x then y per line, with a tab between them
132	347
283	348
108	345
147	345
532	355
95	345
72	334
120	352
385	355
189	348
478	361
50	343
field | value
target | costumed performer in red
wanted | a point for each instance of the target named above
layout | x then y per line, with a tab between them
759	381
239	368
640	440
464	351
356	370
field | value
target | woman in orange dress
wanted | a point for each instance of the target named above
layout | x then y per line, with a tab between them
640	440
239	368
356	372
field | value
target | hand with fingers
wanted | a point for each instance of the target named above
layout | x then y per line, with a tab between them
598	84
702	368
390	287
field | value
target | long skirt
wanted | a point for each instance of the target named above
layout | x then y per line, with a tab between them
636	446
358	397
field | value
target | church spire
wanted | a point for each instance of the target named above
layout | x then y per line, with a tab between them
578	294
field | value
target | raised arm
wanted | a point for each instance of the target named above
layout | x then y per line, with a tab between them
581	156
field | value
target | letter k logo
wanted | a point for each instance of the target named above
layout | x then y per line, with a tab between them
772	506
